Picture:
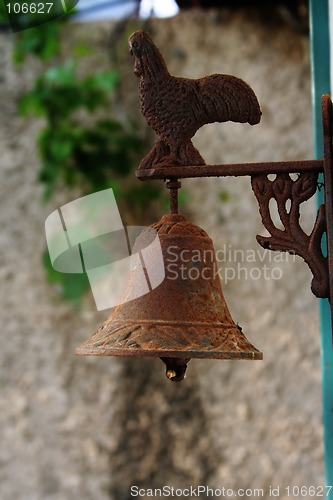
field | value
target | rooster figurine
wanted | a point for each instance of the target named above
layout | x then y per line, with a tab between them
177	107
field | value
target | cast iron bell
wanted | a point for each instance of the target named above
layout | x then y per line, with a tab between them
185	317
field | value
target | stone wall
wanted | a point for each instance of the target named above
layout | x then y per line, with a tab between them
89	427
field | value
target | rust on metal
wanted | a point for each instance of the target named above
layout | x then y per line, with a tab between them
184	317
176	108
173	185
230	170
292	238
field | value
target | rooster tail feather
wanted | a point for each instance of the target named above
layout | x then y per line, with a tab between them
227	98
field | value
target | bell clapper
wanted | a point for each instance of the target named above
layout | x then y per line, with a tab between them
170	374
175	368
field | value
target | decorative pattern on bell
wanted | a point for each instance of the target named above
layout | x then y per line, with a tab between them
184	317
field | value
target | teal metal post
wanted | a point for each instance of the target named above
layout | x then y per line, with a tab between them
320	67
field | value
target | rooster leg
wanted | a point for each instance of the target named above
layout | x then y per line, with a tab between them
156	155
174	154
184	154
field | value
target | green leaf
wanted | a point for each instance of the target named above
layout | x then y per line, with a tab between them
140	195
61	75
41	41
30	103
81	49
224	196
71	287
106	80
3	15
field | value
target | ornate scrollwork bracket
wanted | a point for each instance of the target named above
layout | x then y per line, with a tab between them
288	194
284	190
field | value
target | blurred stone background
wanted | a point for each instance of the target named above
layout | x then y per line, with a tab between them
86	428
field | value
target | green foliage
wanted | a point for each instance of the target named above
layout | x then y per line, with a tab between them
41	41
79	145
74	152
139	194
71	287
3	14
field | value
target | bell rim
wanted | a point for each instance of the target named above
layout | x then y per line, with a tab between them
225	341
250	355
139	353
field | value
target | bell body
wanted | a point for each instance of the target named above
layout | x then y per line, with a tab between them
185	317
